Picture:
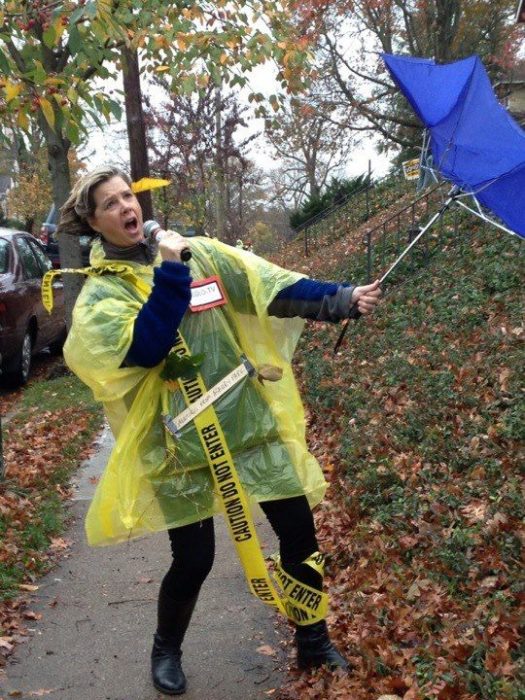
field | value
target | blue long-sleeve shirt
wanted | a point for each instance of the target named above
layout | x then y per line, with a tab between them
160	316
157	322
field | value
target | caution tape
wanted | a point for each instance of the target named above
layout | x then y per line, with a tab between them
300	603
103	269
303	604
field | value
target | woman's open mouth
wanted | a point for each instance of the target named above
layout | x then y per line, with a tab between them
131	225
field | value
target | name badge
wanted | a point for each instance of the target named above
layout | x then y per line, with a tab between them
207	293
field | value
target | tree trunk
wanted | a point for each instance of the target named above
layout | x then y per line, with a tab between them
29	223
68	246
314	189
241	207
138	151
164	195
219	168
230	233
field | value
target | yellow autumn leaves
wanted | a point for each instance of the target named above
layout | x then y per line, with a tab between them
13	90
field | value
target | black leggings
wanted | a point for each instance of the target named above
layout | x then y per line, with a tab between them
193	548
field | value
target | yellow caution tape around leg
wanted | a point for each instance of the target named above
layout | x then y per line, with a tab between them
306	606
316	562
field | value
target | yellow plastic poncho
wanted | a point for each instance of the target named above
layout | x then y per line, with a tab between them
152	481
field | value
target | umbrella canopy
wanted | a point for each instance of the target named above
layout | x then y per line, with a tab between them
475	143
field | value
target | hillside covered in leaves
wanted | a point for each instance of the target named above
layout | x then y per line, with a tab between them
418	423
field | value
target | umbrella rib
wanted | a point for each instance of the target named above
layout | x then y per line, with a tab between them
481	215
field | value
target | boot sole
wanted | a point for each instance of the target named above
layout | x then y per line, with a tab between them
169	692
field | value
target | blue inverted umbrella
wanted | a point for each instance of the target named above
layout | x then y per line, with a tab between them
475	143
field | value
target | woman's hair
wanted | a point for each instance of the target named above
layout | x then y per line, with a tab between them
81	202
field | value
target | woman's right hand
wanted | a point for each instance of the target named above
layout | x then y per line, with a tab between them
171	246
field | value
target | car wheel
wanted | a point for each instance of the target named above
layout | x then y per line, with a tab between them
20	372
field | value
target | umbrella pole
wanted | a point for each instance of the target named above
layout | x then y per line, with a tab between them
452	196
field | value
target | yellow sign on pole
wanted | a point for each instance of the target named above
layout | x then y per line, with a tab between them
411	169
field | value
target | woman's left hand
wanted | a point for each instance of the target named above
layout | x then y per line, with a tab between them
367	297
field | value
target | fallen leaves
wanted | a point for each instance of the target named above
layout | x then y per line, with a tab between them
59	543
31	615
39	448
5	643
416	426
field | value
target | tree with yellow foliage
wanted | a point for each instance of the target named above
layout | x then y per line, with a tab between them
31	196
52	50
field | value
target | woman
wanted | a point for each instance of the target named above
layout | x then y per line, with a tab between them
196	383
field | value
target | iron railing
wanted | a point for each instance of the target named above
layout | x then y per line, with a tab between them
355	209
384	243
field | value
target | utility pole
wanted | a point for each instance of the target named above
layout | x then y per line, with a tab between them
138	151
219	166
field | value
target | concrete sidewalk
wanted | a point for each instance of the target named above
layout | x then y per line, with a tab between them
98	612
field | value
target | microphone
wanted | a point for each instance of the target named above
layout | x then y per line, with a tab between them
154	231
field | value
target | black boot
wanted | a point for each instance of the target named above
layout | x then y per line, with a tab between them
166	670
315	649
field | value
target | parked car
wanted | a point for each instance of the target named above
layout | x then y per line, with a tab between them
25	326
49	239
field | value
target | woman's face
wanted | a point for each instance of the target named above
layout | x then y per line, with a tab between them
117	216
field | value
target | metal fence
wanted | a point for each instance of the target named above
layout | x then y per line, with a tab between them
358	207
385	242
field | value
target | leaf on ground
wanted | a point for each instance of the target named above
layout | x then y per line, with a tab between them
5	643
266	650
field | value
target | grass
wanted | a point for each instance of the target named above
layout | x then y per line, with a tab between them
53	425
55	394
